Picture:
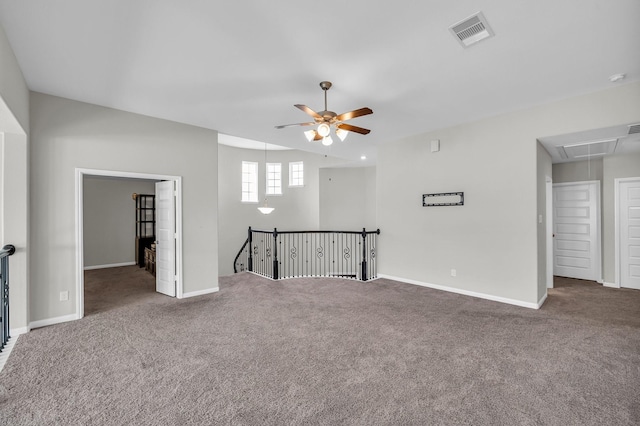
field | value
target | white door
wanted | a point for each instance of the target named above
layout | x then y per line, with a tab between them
576	219
629	237
165	238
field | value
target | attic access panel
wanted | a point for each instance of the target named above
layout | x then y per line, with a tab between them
588	149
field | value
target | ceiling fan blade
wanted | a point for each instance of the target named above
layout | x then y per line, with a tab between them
282	126
308	111
351	128
353	114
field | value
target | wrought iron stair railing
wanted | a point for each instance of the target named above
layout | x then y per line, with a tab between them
5	252
288	254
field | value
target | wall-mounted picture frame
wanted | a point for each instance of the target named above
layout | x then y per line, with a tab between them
443	199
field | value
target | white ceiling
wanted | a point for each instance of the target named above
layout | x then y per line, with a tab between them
239	67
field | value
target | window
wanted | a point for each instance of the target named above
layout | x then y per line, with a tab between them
249	182
296	174
274	179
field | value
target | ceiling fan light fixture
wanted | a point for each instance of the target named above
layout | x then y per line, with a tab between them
324	129
327	119
326	141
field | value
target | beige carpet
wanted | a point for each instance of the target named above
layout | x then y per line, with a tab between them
328	351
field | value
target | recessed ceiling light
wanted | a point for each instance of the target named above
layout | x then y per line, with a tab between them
363	157
617	77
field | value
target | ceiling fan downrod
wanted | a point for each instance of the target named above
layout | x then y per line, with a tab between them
325	85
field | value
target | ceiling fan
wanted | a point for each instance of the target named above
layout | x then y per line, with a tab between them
325	119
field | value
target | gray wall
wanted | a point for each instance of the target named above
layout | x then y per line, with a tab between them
13	90
295	209
66	135
578	171
348	198
14	199
492	240
109	219
615	167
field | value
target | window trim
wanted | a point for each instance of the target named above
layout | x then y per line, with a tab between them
255	173
279	180
291	164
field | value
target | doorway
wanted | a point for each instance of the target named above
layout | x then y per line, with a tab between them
576	229
176	260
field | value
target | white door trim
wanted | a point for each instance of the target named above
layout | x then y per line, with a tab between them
549	229
598	250
616	215
80	173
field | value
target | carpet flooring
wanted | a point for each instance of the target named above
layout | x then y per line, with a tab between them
328	352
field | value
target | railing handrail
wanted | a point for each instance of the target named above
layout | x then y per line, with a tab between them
7	250
377	231
235	270
286	254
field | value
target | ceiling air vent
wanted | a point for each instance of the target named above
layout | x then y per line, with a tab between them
634	128
471	30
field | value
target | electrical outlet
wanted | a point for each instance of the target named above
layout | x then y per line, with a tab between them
453	272
64	295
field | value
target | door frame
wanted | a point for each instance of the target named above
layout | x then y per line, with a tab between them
616	215
549	229
80	173
597	184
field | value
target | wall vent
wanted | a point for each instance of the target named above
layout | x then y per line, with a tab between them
471	30
634	128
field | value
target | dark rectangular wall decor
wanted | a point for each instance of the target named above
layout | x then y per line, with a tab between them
443	199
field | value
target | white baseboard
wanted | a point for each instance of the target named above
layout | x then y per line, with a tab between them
200	292
542	299
111	265
466	292
6	351
612	285
52	321
18	331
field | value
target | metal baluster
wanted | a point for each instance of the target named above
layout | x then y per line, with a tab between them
250	260
275	254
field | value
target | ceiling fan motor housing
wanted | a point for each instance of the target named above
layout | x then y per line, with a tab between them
327	115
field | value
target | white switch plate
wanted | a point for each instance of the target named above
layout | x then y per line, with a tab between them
454	272
64	295
539	218
435	145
